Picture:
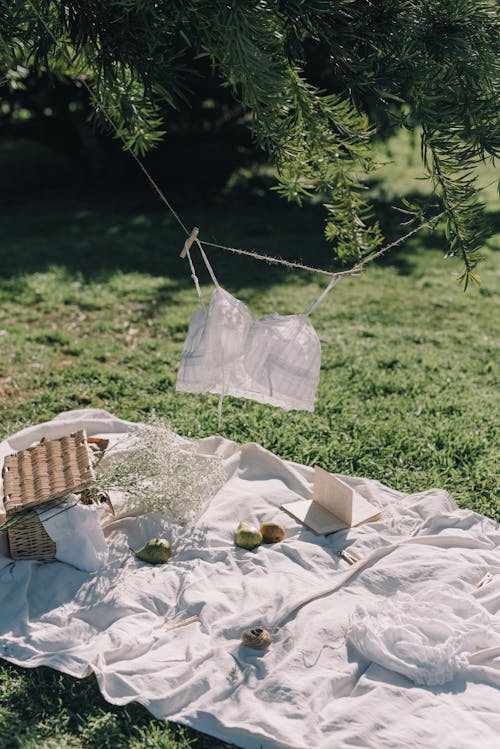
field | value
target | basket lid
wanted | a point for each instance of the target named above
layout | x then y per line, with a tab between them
47	471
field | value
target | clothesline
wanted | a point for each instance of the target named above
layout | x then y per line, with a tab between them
355	270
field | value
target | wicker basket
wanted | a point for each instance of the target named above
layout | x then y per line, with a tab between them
40	474
28	539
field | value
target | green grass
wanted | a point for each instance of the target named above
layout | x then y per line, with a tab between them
94	305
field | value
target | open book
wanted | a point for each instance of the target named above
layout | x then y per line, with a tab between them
334	506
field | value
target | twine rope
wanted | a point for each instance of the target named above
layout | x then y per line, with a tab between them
258	638
355	270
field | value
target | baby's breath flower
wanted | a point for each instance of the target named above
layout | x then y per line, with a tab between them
157	470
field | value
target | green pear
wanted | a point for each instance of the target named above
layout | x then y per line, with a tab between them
247	537
154	551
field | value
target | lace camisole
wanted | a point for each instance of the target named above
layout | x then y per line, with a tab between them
274	359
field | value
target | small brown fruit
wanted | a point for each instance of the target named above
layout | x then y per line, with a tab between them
272	532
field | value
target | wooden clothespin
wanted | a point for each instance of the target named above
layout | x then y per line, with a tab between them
485	580
348	556
189	241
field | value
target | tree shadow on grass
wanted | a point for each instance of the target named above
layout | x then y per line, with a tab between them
96	241
54	215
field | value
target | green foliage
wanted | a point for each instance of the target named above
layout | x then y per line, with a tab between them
94	305
432	64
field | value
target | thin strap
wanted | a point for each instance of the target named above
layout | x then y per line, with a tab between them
195	279
330	286
219	409
209	267
222	392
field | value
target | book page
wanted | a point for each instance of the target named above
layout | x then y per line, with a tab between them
363	511
333	494
313	516
334	506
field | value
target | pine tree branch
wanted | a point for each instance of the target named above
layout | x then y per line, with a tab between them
433	63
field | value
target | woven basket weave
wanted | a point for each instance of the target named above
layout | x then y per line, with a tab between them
29	540
35	476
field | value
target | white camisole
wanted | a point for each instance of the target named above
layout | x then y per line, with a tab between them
274	360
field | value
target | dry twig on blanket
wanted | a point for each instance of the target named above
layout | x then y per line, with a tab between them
185	622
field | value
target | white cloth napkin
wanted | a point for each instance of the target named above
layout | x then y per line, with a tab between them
427	638
77	533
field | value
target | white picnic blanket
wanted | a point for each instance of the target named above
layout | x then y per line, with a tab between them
312	688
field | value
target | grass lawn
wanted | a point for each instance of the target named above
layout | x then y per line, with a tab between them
94	306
